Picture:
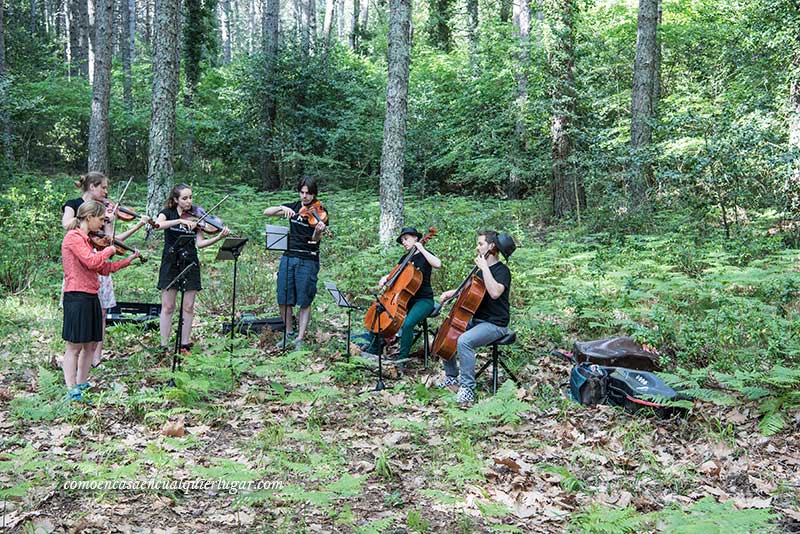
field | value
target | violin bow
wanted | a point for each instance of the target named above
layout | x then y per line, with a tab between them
116	208
215	206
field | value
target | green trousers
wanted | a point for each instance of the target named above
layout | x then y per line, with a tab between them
419	310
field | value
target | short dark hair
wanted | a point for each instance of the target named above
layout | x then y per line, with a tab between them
310	182
491	239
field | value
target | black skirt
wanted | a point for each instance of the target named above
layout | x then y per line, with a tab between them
83	318
169	271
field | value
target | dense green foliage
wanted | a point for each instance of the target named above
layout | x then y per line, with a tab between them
720	137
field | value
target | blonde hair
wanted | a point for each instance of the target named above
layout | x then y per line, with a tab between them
90	208
90	179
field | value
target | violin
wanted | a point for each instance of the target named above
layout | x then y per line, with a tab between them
123	213
100	241
314	214
209	224
388	313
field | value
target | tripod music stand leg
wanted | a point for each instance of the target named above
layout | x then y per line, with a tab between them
349	310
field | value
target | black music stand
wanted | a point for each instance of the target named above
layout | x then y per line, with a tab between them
341	301
380	309
231	249
181	257
277	239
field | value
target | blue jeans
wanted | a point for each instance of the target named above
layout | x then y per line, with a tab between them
478	334
297	281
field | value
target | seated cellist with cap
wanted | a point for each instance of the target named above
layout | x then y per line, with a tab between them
488	324
421	304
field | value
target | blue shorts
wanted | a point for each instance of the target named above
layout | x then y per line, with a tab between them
300	286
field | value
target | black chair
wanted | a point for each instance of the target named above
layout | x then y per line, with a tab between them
497	361
424	330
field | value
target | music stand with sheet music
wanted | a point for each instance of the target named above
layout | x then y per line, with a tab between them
277	239
341	301
231	249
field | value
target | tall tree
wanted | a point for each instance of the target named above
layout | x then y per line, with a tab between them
568	195
166	65
522	32
327	23
793	182
472	33
363	18
505	10
644	77
394	125
354	25
127	44
439	33
101	88
5	121
198	41
225	11
270	178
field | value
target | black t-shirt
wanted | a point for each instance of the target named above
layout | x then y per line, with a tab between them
496	311
171	236
301	235
425	290
75	203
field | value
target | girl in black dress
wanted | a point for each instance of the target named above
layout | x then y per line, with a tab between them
176	257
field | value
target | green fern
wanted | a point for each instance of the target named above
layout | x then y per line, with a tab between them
502	408
706	516
772	423
602	520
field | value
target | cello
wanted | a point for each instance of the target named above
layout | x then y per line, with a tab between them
470	294
386	315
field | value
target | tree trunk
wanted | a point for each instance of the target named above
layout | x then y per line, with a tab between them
225	8
505	10
5	121
568	195
439	32
793	182
657	67
101	88
640	174
340	20
327	23
363	18
91	36
127	40
472	34
311	20
166	66
79	36
522	31
394	126
270	177
354	26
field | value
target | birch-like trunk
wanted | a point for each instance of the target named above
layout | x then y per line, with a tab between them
394	126
522	31
270	178
568	195
5	120
166	66
101	88
640	174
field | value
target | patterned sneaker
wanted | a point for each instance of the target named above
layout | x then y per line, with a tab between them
465	396
83	387
448	382
289	342
299	344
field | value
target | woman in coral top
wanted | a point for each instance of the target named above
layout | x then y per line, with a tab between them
83	318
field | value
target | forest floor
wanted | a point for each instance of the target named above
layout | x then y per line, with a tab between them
259	440
334	459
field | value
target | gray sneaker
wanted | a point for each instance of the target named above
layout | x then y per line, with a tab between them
289	342
299	344
448	382
465	396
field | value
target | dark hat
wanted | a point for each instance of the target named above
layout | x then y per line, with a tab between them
506	245
409	230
